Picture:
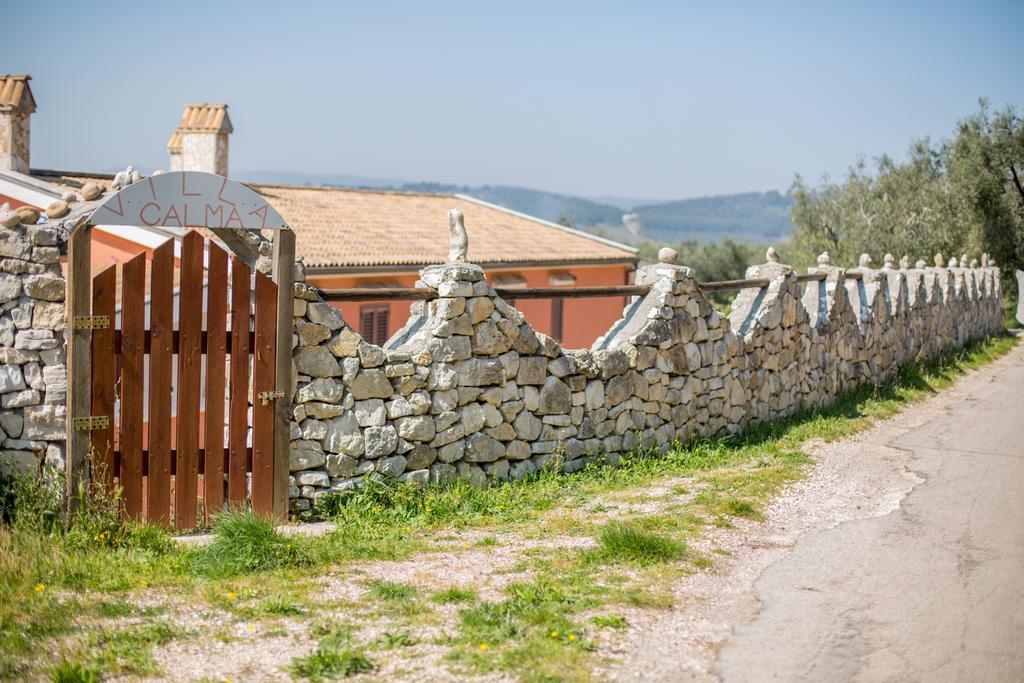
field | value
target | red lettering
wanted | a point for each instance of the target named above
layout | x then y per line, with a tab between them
120	207
262	213
218	213
233	216
220	193
183	192
142	213
172	211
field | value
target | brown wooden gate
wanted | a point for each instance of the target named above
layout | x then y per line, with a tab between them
175	394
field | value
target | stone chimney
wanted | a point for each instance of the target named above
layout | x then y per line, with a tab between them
16	107
200	142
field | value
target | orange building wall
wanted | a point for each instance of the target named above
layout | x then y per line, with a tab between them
583	320
15	203
107	249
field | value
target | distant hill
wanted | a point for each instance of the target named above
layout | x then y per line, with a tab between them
547	205
296	178
758	217
753	216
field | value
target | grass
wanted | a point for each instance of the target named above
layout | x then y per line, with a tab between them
65	579
128	650
68	672
335	655
626	542
393	640
614	621
331	664
530	632
389	590
243	544
455	594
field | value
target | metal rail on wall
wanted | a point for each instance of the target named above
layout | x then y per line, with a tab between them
422	294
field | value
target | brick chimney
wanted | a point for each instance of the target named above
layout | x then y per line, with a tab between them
200	142
16	107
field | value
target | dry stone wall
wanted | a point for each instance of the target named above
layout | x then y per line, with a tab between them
468	389
33	382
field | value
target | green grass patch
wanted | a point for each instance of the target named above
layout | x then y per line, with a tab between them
245	544
127	650
627	542
331	664
390	590
72	672
393	640
531	632
335	656
614	621
455	594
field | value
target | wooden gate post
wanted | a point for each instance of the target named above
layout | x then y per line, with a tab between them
284	278
79	347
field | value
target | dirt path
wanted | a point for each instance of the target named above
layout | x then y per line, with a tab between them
899	558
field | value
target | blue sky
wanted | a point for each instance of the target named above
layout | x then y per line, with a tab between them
638	99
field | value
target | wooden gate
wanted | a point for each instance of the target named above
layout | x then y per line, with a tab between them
182	396
174	382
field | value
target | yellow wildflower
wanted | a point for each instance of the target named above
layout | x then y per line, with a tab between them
232	596
554	634
483	647
40	587
572	637
251	627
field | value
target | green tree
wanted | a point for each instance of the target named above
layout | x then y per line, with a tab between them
962	195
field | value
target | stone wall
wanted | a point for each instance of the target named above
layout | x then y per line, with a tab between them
33	383
468	389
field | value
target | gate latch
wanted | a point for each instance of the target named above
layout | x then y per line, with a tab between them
91	322
91	423
267	397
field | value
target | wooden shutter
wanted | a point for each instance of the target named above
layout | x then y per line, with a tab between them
556	319
373	323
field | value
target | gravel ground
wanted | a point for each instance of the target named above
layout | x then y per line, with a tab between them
854	478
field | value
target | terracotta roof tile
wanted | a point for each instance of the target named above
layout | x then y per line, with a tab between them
205	118
15	94
174	144
337	227
345	228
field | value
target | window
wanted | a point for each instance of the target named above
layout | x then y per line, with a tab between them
373	323
556	319
509	281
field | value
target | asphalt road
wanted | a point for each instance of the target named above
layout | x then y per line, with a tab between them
933	591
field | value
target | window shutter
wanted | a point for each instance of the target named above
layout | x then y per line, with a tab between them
382	325
366	323
373	323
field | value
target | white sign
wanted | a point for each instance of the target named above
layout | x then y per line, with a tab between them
188	199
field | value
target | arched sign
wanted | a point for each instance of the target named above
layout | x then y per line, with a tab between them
188	199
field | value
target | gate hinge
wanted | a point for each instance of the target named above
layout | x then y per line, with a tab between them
91	322
88	424
267	396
